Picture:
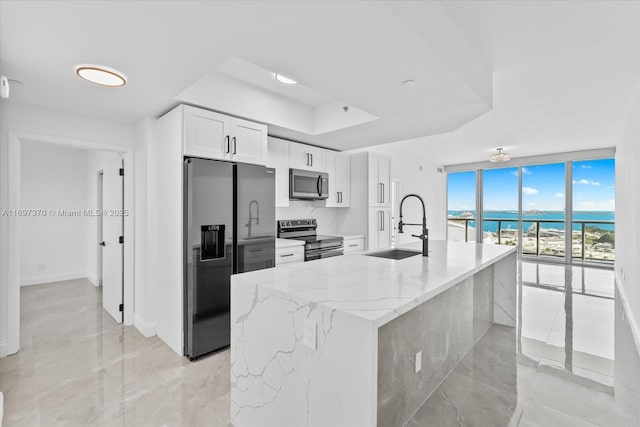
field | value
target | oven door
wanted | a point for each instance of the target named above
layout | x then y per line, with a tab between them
310	255
308	185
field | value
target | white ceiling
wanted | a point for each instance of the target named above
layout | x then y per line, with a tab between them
555	76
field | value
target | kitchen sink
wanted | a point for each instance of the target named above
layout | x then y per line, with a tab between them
395	254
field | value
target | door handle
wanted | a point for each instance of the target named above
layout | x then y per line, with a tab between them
285	255
234	145
382	191
381	220
311	159
227	138
319	185
102	243
307	158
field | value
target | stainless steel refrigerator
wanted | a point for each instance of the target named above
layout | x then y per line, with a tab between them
229	220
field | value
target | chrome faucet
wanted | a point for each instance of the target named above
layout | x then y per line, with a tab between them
425	233
257	217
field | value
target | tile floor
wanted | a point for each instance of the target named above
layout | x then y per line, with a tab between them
77	367
570	362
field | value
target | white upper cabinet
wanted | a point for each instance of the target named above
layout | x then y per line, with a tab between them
217	136
379	180
278	158
206	134
338	168
307	157
248	142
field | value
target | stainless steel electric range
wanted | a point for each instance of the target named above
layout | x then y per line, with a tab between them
315	246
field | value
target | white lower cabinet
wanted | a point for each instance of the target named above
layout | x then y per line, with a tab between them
353	244
379	228
291	254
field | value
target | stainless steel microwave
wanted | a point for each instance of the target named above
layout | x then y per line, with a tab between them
308	185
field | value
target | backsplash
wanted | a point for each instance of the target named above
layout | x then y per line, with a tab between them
301	209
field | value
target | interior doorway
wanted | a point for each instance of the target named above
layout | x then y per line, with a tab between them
16	141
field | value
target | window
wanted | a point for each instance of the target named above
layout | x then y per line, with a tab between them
593	225
461	209
541	220
500	206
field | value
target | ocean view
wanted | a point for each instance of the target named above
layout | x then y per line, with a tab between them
592	234
492	226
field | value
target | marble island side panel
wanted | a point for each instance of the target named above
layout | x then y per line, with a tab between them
442	330
277	381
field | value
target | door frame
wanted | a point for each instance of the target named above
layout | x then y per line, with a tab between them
15	140
99	205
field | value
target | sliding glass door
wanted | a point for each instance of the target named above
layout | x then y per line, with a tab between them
500	206
461	206
593	226
543	210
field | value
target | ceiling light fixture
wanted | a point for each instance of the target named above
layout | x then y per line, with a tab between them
101	75
284	79
500	156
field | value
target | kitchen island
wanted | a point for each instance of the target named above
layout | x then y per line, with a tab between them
338	342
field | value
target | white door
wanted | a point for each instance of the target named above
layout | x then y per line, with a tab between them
113	230
100	228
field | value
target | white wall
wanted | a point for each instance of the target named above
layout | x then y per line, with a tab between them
96	161
628	215
52	246
39	122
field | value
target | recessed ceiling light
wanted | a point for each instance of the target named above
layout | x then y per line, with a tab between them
284	79
101	75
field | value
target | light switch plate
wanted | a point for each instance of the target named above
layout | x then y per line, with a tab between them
418	361
310	334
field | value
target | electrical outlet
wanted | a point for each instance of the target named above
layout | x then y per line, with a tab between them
310	334
418	361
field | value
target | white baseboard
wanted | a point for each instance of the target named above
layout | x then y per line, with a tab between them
4	349
48	278
633	322
147	329
94	280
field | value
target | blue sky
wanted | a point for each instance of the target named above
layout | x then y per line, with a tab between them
542	187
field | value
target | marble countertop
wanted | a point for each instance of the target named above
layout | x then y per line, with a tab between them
288	243
379	289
